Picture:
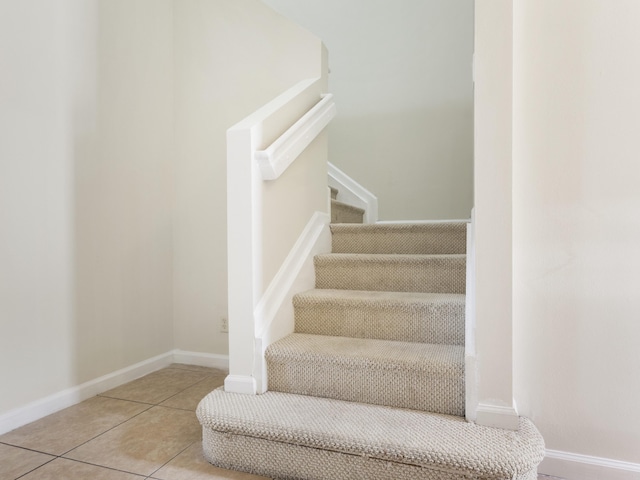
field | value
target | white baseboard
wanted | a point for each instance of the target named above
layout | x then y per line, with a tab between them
240	384
497	416
211	360
573	466
66	398
274	312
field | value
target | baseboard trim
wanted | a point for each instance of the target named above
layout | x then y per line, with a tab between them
240	384
52	403
66	398
574	466
212	360
284	279
497	416
273	314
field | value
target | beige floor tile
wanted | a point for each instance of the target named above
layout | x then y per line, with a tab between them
189	398
16	461
198	368
144	443
60	432
191	465
157	386
63	469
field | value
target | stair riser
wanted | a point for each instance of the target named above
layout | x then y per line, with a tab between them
345	213
430	323
435	240
294	462
415	390
437	275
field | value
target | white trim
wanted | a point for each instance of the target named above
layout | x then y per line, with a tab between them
497	416
274	312
71	396
240	384
212	360
351	192
274	160
470	364
276	291
574	466
52	403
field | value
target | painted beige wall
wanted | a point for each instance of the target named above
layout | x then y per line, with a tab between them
221	48
85	207
401	75
576	220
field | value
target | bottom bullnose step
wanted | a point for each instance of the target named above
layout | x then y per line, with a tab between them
287	436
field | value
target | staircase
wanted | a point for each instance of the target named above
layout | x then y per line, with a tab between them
343	212
371	383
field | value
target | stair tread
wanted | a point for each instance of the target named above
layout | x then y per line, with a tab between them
346	206
411	437
442	360
407	227
437	273
436	318
350	297
389	257
401	238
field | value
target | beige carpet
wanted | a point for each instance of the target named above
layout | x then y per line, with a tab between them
402	316
427	238
296	436
418	376
371	385
345	213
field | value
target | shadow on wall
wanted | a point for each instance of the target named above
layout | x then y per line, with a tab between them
418	163
122	114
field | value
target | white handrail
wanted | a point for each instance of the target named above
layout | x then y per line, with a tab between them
274	160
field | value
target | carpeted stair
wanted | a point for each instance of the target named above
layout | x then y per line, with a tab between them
371	383
343	212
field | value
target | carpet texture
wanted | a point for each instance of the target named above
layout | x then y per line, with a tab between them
392	273
402	316
345	213
295	436
427	238
418	376
371	384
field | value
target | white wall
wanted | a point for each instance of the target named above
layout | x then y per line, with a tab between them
85	207
222	49
493	192
576	218
401	74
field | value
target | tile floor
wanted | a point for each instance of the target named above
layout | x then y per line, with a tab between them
145	429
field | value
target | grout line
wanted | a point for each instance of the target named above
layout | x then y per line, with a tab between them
207	376
39	466
141	475
102	433
151	404
171	459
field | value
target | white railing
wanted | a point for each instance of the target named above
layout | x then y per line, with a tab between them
351	192
276	199
282	153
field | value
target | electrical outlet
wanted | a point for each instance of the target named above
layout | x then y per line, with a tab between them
224	325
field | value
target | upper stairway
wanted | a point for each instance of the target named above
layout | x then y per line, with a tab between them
371	384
